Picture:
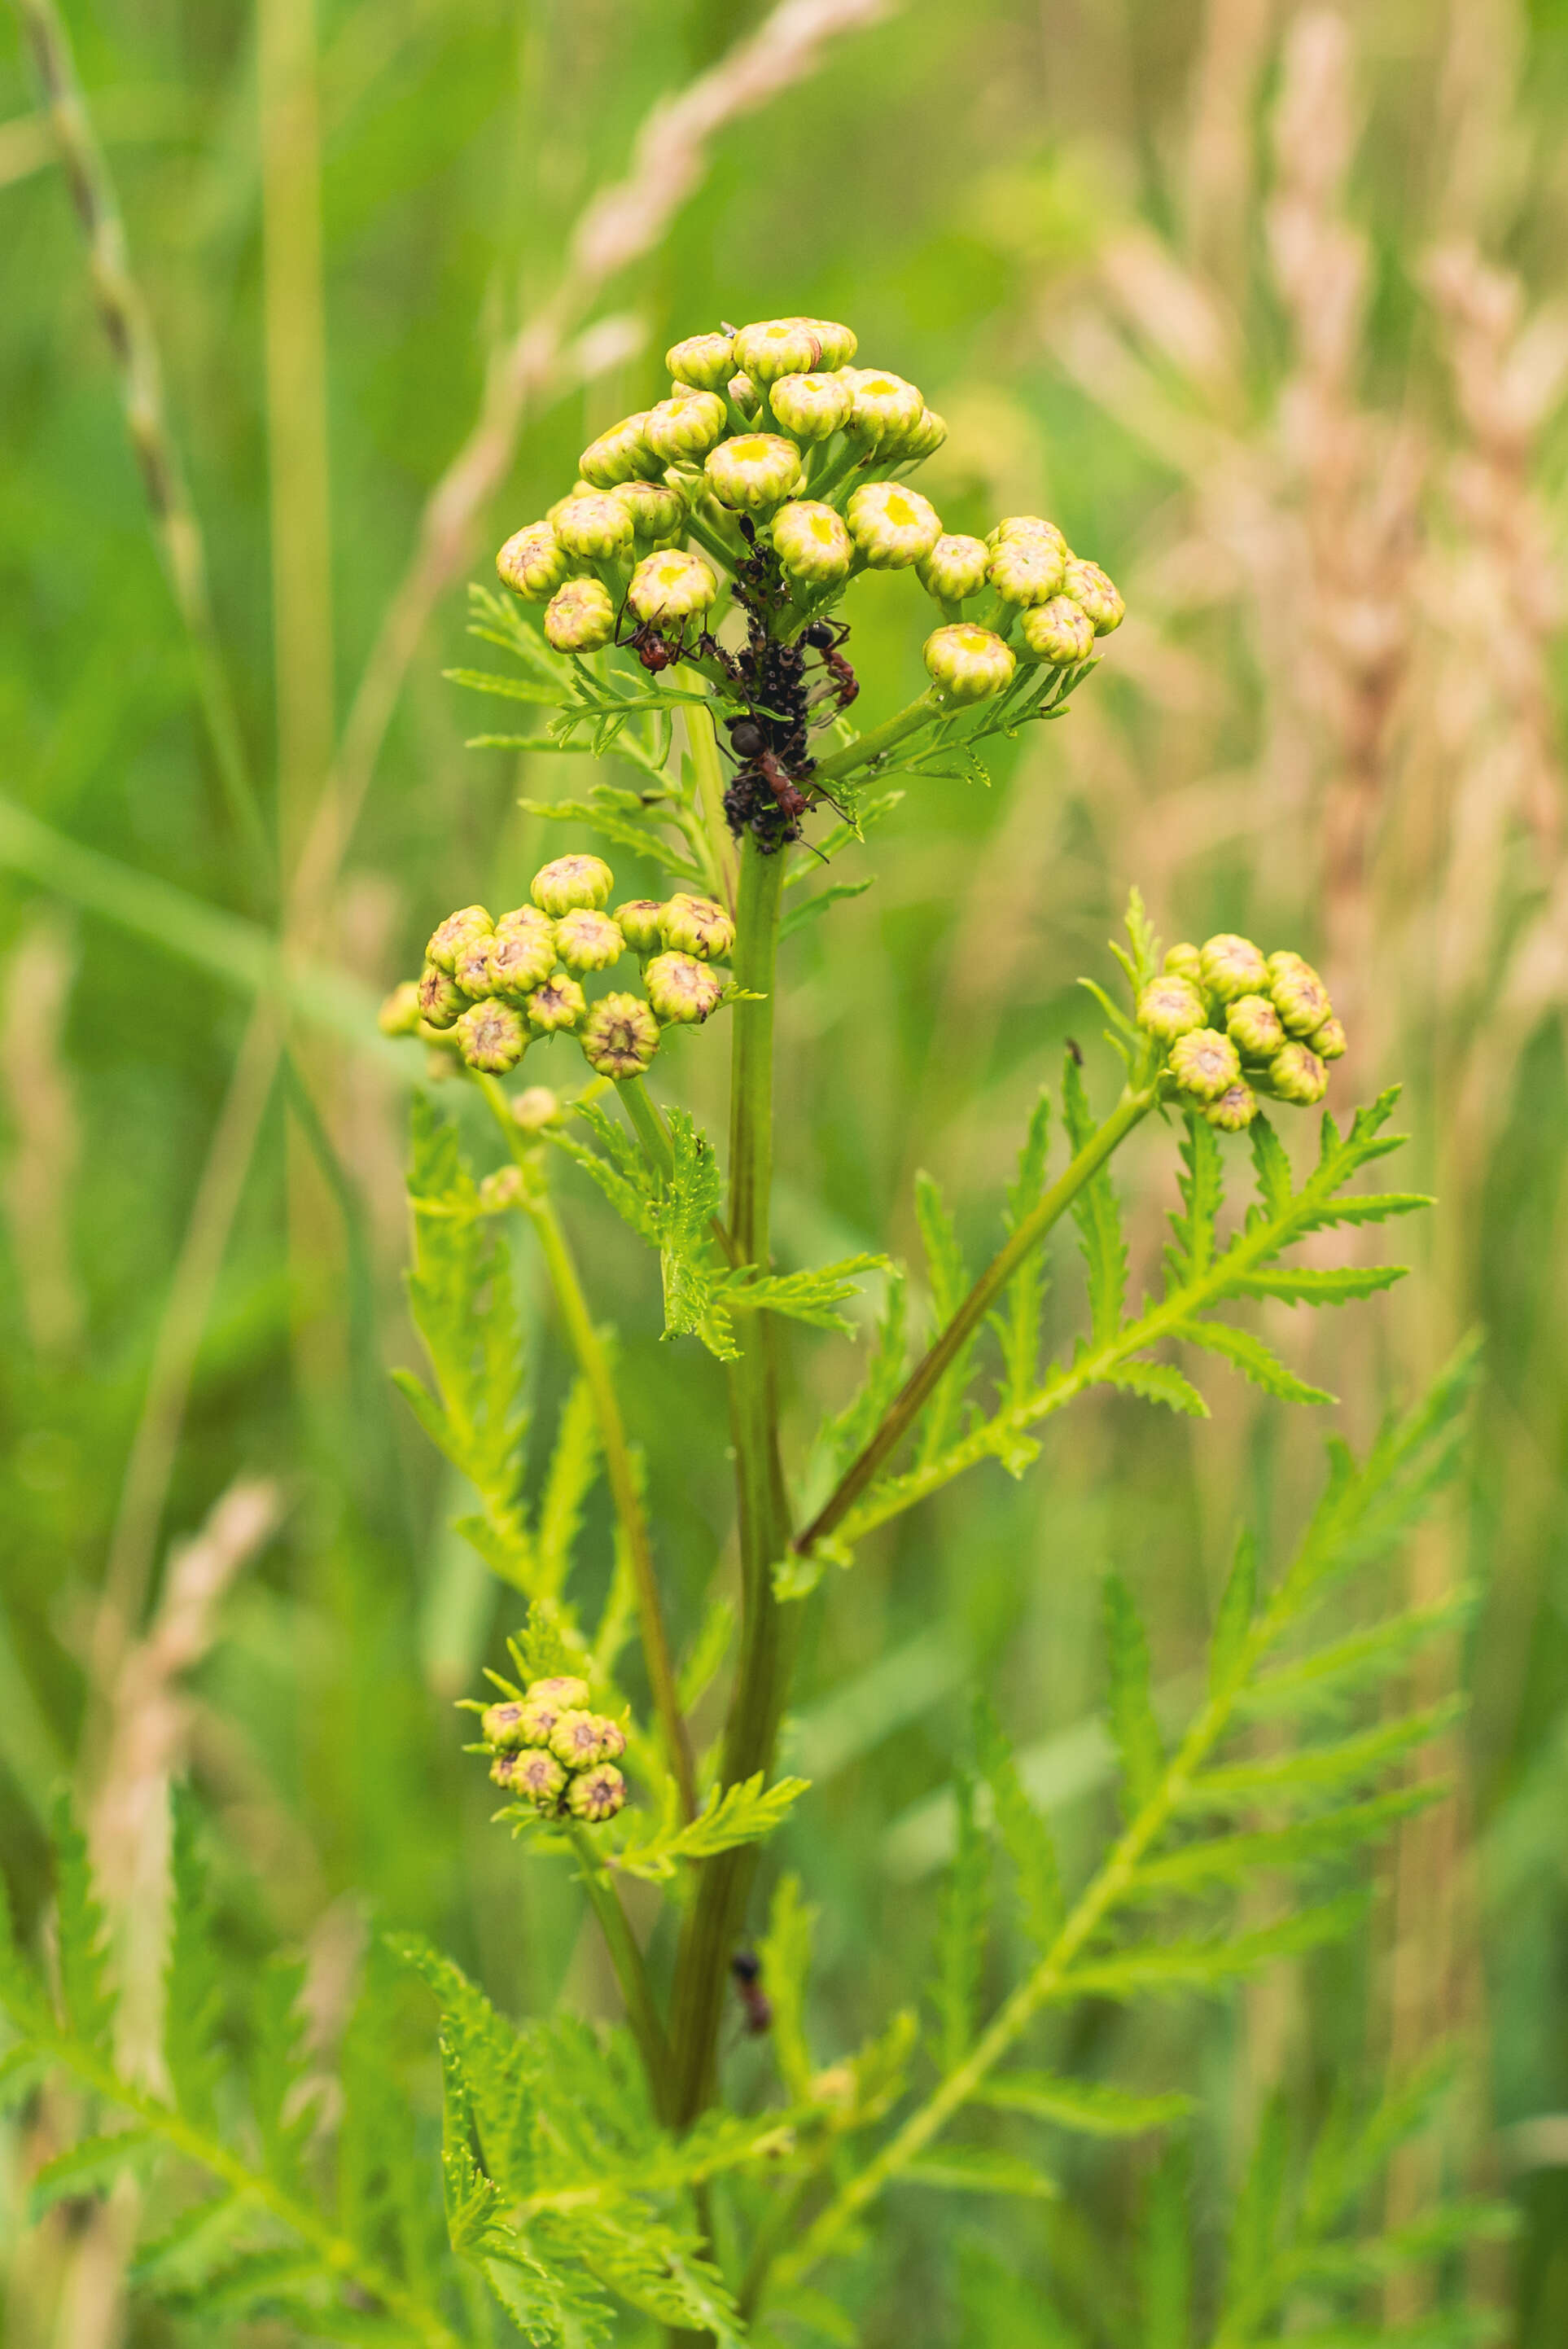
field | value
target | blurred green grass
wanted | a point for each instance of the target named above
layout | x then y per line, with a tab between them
951	183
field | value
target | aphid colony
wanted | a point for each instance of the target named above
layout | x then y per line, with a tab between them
1238	1023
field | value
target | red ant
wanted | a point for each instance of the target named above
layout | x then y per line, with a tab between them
825	636
653	649
747	1968
750	744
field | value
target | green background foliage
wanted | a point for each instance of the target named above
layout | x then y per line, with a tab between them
1068	226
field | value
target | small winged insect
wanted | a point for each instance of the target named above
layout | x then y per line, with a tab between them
746	1967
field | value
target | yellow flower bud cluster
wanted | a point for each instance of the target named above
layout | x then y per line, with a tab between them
1237	1023
550	1752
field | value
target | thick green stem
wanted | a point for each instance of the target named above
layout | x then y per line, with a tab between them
922	711
629	1973
594	1363
917	1389
758	1700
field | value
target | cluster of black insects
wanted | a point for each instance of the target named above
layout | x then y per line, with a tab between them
770	738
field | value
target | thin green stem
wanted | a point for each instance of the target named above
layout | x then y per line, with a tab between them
629	1973
924	710
1134	1105
757	1702
703	740
594	1363
646	1124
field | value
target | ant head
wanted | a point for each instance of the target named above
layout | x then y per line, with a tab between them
746	739
746	1966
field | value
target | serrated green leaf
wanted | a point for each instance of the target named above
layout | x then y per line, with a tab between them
82	1951
193	1994
278	2064
1202	1187
1158	1382
1129	1713
1167	2256
1238	1604
813	1296
1259	2212
810	908
1236	1859
1209	1965
1306	1285
91	2162
786	1954
730	1817
1089	2108
511	689
1251	1358
573	1465
949	1278
1331	1674
977	2170
963	1919
1270	1166
1024	1832
1312	1770
1095	1213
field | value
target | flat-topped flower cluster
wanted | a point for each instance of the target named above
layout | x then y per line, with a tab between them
1239	1022
550	1752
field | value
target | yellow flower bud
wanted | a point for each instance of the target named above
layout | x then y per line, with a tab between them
811	542
755	472
622	454
968	663
892	526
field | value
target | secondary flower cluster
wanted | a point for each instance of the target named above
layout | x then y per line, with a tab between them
549	1750
1238	1022
495	986
773	447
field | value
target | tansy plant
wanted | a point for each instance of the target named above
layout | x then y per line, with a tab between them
695	593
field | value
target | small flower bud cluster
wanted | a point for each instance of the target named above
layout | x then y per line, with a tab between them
1236	1023
549	1750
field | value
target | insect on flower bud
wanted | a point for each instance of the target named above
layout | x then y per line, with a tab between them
1025	571
400	1014
1015	527
1170	1008
580	616
657	511
595	527
492	1037
671	586
681	988
744	395
619	1036
811	544
441	1000
966	663
1235	1108
892	526
1205	1063
502	1724
534	563
753	473
813	407
1185	962
1254	1027
641	920
1300	996
1296	1074
559	1003
535	1108
697	925
586	940
622	454
1090	589
705	361
686	425
580	1739
1330	1041
1232	967
598	1794
568	882
1057	632
522	953
955	567
450	936
887	409
531	1777
775	348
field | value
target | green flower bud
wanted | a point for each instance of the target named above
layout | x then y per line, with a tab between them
1330	1041
641	920
1170	1008
1025	571
531	1777
1296	1074
892	526
968	663
622	454
1235	1108
955	567
1254	1027
775	348
621	1037
887	409
449	936
1185	962
597	1794
559	1003
491	1036
441	1000
681	989
1299	994
1089	588
534	563
400	1014
813	407
671	587
586	940
1232	967
1013	527
535	1108
657	511
578	490
557	1694
502	1724
838	345
926	438
1205	1063
811	542
506	1186
595	528
472	967
744	395
581	1739
753	473
1057	631
580	616
705	361
522	953
568	882
686	425
697	925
